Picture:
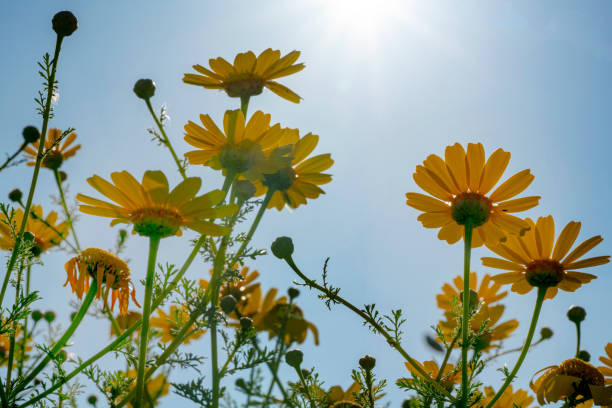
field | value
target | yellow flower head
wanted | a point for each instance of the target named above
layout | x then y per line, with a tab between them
488	292
300	180
44	236
535	260
169	323
240	148
107	269
241	289
152	208
155	388
336	394
249	74
459	189
508	399
572	378
56	153
606	369
125	321
448	378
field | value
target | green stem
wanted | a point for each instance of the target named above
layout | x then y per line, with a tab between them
388	337
25	326
274	374
256	221
577	339
465	321
64	339
11	354
446	356
39	157
146	313
63	199
514	350
368	380
166	139
244	105
306	391
6	163
519	362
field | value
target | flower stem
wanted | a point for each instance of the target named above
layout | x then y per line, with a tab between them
306	391
8	160
39	157
63	340
447	356
146	313
11	354
166	140
519	362
466	312
256	221
63	199
244	105
577	339
25	325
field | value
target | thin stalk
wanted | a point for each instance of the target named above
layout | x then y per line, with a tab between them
519	362
390	340
166	139
446	356
466	312
146	313
25	324
280	343
11	354
244	105
91	294
10	159
514	350
303	381
39	157
63	199
256	221
577	339
274	374
368	380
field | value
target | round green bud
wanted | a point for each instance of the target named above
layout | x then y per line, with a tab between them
305	373
584	355
240	383
546	332
144	88
246	323
293	293
92	400
37	381
228	304
50	316
576	314
28	236
15	195
30	134
282	247
294	358
63	176
36	250
53	160
244	190
36	315
64	23
367	362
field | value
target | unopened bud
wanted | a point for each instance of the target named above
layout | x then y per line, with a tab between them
62	176
584	355
92	400
228	304
30	134
546	332
246	323
576	314
294	358
282	247
15	195
367	362
36	315
240	383
50	316
144	88
64	23
293	293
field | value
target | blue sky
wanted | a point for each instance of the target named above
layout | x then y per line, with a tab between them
384	87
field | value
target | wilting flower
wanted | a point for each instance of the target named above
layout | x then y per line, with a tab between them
535	260
125	321
152	209
450	375
240	148
169	323
155	388
249	74
240	288
488	291
107	270
271	315
572	378
300	180
509	398
606	369
56	152
459	189
44	236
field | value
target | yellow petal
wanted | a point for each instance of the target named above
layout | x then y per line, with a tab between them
566	240
494	168
315	164
513	186
507	278
588	262
519	204
451	233
500	264
475	164
545	235
283	91
424	180
425	203
434	219
245	62
185	191
582	249
455	160
510	223
439	172
304	147
221	67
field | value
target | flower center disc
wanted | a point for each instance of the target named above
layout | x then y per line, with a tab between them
586	372
281	180
156	222
472	207
246	86
544	273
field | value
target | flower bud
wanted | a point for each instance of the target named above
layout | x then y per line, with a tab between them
36	315
244	190
228	304
293	293
576	314
28	236
282	247
294	358
92	400
64	23
15	195
144	88
546	332
63	176
305	373
52	160
49	316
367	362
246	323
584	355
240	383
30	134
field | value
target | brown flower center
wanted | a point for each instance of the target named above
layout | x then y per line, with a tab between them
471	207
158	222
246	85
544	273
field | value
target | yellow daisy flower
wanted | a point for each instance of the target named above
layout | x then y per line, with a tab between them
299	181
488	292
152	208
509	398
169	323
44	236
56	153
336	394
449	377
249	74
107	269
572	378
535	260
240	289
126	321
606	369
155	388
459	187
239	148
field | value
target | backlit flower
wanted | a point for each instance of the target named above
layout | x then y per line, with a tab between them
509	398
450	375
606	369
336	394
240	288
125	321
488	292
155	388
152	208
535	260
45	236
169	323
459	191
56	152
249	74
107	270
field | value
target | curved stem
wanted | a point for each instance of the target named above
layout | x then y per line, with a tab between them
146	313
63	199
8	160
39	157
166	140
465	321
519	362
256	221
